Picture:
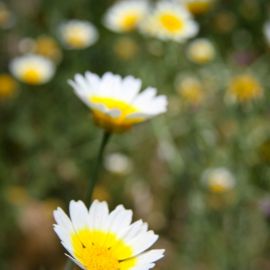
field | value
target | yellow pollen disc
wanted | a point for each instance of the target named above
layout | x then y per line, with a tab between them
130	21
98	250
171	22
218	188
245	88
114	124
31	76
76	38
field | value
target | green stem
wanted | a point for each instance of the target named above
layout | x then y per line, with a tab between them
69	265
94	178
98	165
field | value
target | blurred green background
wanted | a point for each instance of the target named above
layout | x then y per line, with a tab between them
48	141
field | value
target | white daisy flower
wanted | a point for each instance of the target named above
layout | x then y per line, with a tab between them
170	21
125	15
218	180
32	69
201	51
76	34
99	240
115	102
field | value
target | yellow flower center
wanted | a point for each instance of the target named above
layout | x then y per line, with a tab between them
191	91
171	22
245	88
32	76
99	250
130	21
114	124
76	38
218	188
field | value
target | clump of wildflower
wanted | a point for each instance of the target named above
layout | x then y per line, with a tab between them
170	21
32	69
76	34
115	102
125	16
97	239
244	88
201	51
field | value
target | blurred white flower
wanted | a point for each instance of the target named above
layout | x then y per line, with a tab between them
125	15
201	51
218	180
115	102
98	240
191	90
118	163
32	69
266	31
76	34
170	21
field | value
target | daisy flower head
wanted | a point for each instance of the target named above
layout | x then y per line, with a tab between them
245	88
125	15
32	69
76	34
218	180
201	51
115	102
170	21
191	90
97	239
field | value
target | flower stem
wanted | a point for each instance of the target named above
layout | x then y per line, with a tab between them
69	265
98	165
94	178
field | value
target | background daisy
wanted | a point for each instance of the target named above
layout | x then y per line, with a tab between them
115	102
32	69
125	15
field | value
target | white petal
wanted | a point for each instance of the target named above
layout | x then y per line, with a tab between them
114	113
150	256
142	242
119	219
79	215
134	230
64	237
130	88
98	215
75	261
62	219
